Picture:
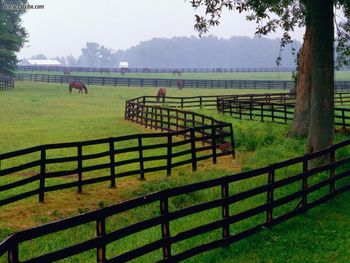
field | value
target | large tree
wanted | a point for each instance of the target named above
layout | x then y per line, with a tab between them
12	35
314	113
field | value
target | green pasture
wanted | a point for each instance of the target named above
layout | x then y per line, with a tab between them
339	75
41	113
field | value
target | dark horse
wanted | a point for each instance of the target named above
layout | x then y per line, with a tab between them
161	93
124	70
179	84
176	72
78	85
66	72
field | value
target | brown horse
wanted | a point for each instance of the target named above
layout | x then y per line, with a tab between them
78	85
161	93
179	84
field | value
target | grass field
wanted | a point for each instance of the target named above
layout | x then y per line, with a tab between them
39	113
339	75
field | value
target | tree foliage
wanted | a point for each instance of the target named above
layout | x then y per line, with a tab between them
271	15
315	79
12	36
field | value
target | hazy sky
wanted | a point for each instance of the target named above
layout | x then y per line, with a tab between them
63	27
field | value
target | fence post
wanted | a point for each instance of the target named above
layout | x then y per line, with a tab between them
169	119
126	114
112	161
232	142
101	231
80	167
146	117
271	181
213	139
304	181
193	151
240	109
142	175
272	112
42	174
250	110
332	172
177	121
13	253
169	154
285	113
225	210
161	119
262	112
164	210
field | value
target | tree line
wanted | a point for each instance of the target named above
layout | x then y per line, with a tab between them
210	51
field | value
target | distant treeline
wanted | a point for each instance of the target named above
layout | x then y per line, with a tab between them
206	52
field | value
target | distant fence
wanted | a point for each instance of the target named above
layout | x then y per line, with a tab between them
155	70
6	83
281	195
157	82
209	101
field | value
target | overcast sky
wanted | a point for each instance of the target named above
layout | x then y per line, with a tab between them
63	27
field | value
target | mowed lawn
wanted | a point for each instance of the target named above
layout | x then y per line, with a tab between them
40	113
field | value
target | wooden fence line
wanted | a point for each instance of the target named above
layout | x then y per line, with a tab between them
276	112
155	70
158	82
110	165
310	190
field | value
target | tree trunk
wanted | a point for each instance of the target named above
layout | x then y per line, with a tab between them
300	124
321	127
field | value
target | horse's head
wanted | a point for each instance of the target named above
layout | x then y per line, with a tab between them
85	88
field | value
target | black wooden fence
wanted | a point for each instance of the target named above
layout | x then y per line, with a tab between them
6	83
211	101
280	196
277	110
110	158
155	70
158	82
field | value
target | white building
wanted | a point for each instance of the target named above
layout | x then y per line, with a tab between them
39	62
124	64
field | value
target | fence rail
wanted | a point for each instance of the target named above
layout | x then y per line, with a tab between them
282	195
155	70
158	82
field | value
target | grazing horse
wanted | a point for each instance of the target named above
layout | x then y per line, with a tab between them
66	73
161	93
179	84
124	70
78	85
176	72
